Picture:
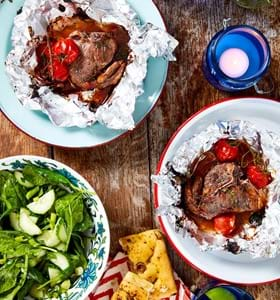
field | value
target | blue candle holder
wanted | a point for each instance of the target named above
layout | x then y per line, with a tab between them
246	38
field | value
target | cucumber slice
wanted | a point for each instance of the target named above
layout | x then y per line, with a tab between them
61	247
43	204
55	275
49	238
21	180
37	292
26	224
14	221
60	260
34	219
61	230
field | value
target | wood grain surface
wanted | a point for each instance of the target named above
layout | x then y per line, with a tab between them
120	172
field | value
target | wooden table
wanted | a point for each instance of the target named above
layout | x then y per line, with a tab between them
120	172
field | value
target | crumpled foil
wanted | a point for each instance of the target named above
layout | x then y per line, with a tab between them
260	241
145	41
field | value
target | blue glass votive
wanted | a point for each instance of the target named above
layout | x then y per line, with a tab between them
249	40
224	292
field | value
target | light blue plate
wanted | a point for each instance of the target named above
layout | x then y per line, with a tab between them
38	126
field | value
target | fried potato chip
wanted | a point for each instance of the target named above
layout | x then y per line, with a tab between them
148	258
133	287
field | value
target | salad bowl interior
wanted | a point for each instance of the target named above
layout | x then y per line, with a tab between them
97	247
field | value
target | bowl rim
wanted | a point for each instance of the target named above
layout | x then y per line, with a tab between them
101	210
156	192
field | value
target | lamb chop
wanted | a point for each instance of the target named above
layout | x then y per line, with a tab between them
101	61
223	190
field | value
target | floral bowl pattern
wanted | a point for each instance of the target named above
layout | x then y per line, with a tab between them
98	252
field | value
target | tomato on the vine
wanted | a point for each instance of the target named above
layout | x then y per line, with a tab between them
258	177
225	224
58	70
66	49
225	151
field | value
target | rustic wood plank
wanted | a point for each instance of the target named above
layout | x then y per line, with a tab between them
119	172
193	23
15	142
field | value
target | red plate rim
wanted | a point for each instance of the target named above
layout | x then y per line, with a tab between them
159	166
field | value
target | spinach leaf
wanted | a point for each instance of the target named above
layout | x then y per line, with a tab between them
4	176
12	196
25	289
8	275
39	176
80	252
70	208
36	275
86	224
13	247
22	278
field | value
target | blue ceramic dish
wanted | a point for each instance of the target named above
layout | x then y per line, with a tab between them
99	249
37	125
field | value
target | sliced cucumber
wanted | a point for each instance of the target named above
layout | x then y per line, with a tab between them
34	219
14	220
37	292
61	230
60	260
49	238
61	247
55	275
43	204
21	180
26	224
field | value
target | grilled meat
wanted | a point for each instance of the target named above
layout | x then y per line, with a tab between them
223	190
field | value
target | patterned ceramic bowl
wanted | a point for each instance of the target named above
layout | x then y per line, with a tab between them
99	249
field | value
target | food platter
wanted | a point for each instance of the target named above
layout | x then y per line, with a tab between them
38	126
241	268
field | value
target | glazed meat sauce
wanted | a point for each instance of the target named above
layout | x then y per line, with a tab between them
215	187
101	61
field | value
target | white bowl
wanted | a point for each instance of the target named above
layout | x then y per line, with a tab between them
97	259
240	269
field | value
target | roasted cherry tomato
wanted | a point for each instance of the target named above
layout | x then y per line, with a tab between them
66	49
225	151
225	224
58	70
258	177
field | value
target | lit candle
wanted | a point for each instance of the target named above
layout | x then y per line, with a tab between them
234	62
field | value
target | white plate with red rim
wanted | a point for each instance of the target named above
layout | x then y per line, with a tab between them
240	269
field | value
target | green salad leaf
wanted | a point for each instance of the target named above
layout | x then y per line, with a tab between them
41	176
12	194
43	224
20	282
8	275
70	208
